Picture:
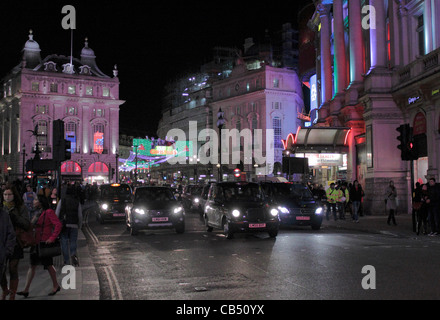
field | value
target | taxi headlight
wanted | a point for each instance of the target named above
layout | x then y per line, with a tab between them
283	209
274	212
139	211
318	210
196	200
104	206
236	213
178	210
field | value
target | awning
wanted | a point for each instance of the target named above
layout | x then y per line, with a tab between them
318	139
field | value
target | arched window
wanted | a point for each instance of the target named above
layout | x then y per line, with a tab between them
98	167
42	133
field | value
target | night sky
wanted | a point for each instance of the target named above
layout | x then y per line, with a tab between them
152	42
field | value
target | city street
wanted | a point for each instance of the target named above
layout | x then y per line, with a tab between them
300	264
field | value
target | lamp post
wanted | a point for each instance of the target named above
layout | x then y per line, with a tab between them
24	164
220	124
117	165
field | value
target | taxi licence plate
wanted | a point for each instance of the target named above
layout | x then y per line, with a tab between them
118	214
257	225
303	218
163	219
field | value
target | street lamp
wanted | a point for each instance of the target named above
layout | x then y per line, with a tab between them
220	124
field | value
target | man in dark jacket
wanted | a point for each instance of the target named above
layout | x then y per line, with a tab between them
356	194
434	206
7	239
69	211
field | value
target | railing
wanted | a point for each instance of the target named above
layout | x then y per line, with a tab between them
417	69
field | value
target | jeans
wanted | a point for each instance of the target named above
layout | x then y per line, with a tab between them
356	205
434	217
69	239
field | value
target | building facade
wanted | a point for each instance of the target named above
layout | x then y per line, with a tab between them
38	91
377	67
256	87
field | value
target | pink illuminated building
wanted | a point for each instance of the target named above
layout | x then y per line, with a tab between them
38	91
377	67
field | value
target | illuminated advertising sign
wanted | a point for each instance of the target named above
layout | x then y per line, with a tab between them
70	136
98	142
149	148
323	159
313	99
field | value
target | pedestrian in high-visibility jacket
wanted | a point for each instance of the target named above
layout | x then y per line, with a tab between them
333	197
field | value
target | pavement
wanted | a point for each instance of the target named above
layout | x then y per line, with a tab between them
86	284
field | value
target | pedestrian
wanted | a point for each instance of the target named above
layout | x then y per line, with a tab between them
416	204
53	198
344	199
333	197
69	211
7	242
47	229
28	197
434	206
422	212
13	204
356	194
391	200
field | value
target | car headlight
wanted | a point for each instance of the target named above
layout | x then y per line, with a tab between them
178	209
274	212
104	206
318	210
139	211
196	200
283	209
236	213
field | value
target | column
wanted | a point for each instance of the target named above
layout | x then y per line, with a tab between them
404	48
427	20
340	70
378	44
435	7
326	62
356	48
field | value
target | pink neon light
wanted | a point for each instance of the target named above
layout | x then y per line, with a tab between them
346	137
292	136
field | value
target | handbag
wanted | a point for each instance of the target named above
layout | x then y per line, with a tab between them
417	205
25	238
48	250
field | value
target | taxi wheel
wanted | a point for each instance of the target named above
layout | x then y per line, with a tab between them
133	231
209	229
180	228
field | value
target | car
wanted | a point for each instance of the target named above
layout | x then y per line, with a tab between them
203	198
155	208
112	200
191	196
296	204
240	207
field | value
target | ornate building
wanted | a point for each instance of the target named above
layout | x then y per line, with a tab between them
38	91
377	67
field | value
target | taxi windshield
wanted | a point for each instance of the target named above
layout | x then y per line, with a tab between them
243	193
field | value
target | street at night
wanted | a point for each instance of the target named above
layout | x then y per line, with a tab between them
299	264
213	153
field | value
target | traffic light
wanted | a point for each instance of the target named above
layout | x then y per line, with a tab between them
412	149
67	151
408	149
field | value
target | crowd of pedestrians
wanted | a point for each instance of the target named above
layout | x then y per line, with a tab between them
341	198
426	204
47	215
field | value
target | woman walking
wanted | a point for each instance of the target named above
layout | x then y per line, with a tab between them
18	213
390	197
47	229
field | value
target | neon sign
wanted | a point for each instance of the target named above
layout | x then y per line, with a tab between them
98	142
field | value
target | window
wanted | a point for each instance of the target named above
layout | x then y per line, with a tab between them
254	123
41	109
248	87
53	87
105	92
277	105
89	91
276	124
42	133
71	111
70	134
35	86
71	89
276	83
